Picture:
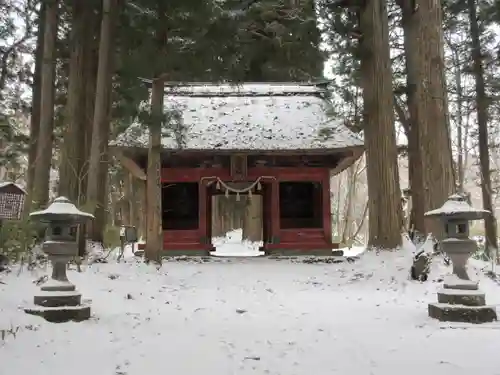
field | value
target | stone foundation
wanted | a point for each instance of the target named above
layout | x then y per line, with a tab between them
462	301
304	252
461	297
185	253
61	314
460	313
58	298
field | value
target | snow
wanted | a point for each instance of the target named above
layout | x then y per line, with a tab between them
456	205
450	306
248	316
51	283
452	281
35	308
232	244
353	251
461	292
59	293
246	117
60	207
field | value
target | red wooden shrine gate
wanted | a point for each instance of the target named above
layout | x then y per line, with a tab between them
276	233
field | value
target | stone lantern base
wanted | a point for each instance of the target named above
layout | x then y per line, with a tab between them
462	301
61	314
59	302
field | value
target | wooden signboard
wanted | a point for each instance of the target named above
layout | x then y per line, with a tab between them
239	167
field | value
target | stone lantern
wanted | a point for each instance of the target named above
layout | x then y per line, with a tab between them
58	300
460	300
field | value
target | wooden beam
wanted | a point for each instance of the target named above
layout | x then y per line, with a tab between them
129	164
347	161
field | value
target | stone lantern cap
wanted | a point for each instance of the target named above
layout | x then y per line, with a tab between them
61	210
457	207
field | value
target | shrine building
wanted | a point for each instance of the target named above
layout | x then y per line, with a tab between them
276	140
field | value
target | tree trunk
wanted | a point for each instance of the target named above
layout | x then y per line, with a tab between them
352	172
137	205
132	200
482	121
154	243
432	178
128	196
380	138
140	188
98	163
91	58
461	146
36	106
41	178
75	127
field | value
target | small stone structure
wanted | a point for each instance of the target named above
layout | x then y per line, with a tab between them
58	300
460	300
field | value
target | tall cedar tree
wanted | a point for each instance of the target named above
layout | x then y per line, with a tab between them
96	198
154	243
77	127
385	216
35	106
482	121
43	159
432	177
213	41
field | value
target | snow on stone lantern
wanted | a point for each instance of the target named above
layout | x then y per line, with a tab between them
58	300
460	300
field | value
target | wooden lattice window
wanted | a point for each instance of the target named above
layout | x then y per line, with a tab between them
239	167
11	205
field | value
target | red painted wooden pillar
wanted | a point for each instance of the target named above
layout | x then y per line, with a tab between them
327	209
275	210
202	211
208	200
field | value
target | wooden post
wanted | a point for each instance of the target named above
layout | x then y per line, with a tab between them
202	213
275	210
154	243
325	201
122	243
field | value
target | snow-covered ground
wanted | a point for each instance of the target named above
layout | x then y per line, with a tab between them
227	316
232	244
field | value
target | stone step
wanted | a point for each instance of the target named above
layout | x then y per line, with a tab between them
61	314
459	313
58	298
461	297
455	283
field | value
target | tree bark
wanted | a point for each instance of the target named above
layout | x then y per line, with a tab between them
482	121
75	126
98	162
36	106
432	178
41	178
140	188
154	243
128	196
385	215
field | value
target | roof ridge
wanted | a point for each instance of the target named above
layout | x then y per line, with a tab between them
207	89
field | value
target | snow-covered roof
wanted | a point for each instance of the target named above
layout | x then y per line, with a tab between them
61	209
256	116
8	183
458	207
